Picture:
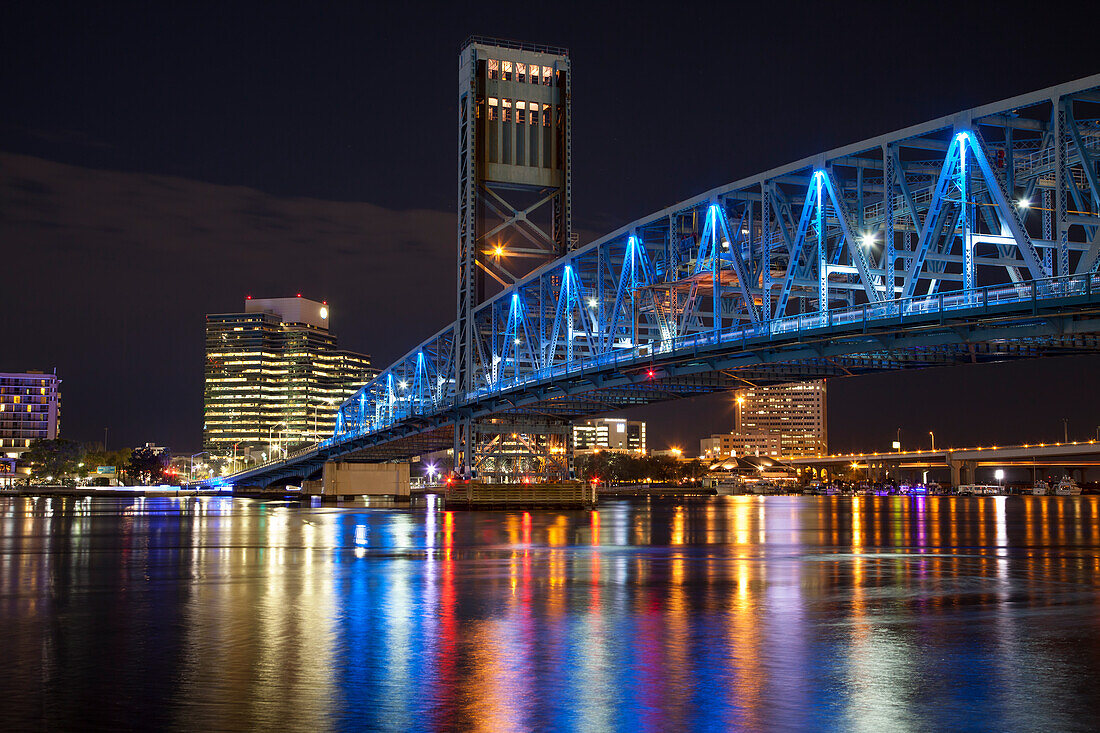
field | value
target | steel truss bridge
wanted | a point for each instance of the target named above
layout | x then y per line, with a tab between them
970	238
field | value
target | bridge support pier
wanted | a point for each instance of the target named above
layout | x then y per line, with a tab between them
962	472
347	479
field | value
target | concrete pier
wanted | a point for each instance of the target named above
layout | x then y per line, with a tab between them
347	479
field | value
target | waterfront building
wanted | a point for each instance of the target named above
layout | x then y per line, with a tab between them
275	376
30	409
726	445
609	433
8	473
780	420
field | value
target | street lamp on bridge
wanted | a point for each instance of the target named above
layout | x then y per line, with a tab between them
933	440
191	475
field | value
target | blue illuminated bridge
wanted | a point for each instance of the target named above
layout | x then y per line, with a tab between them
967	239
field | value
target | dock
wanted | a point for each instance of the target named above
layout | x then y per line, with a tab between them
656	491
565	494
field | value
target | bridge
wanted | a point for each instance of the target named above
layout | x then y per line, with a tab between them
965	239
964	463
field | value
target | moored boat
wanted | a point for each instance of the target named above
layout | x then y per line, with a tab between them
1067	487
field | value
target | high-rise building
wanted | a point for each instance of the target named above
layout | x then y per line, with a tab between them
788	418
30	409
275	375
609	433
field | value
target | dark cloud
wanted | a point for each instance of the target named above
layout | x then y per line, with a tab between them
118	269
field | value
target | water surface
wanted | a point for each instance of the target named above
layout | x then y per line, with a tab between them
734	613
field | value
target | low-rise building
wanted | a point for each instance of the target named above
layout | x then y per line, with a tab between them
727	445
609	433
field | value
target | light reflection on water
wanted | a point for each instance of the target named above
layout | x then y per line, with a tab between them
867	613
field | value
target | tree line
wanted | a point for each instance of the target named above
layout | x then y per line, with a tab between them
62	461
610	467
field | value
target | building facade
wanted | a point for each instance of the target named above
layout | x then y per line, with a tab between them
275	376
30	409
727	445
787	420
609	433
794	413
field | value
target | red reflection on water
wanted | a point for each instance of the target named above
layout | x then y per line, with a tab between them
447	650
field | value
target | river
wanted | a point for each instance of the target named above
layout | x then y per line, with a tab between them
729	613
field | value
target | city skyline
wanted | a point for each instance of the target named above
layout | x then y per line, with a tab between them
339	227
747	383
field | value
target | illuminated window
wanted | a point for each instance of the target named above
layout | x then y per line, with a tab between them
534	112
546	115
507	104
521	73
521	112
506	70
546	71
494	69
493	113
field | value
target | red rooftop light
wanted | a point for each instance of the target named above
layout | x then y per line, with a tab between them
299	295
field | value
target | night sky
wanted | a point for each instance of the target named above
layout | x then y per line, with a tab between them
161	162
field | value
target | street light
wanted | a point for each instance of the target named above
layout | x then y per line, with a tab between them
270	430
235	455
328	401
191	475
933	440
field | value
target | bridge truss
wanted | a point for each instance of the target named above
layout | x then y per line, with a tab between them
972	237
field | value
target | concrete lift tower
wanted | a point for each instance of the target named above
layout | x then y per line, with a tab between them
514	169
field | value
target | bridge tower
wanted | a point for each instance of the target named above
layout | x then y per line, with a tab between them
514	168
